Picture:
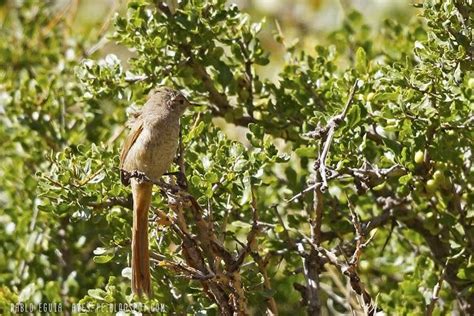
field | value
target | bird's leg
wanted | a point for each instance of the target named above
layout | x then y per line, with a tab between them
140	176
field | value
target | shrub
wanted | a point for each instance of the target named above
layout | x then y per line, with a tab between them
356	167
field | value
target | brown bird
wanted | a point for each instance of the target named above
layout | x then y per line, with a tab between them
149	150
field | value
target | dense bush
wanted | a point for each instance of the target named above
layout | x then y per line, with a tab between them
352	189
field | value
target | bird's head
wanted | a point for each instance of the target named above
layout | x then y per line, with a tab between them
170	98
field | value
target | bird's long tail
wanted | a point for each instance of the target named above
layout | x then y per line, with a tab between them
141	283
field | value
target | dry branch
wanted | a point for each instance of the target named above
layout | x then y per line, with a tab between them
312	263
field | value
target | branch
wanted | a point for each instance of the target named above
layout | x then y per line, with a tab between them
203	250
102	35
249	80
331	127
262	266
336	120
189	272
312	262
251	238
351	273
351	270
113	201
436	290
313	186
438	245
311	274
217	98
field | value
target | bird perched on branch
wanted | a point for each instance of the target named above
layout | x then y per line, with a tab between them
148	151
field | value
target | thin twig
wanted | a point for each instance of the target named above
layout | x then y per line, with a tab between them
436	290
102	33
113	201
333	124
249	74
57	18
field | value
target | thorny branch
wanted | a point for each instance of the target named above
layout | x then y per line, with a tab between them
312	263
436	290
351	269
328	131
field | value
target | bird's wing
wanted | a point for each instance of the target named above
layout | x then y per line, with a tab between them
129	141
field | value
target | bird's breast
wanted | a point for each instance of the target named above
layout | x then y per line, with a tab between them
154	150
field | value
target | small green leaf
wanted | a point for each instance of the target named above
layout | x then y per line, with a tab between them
361	61
279	228
98	294
354	115
103	259
268	293
309	152
405	179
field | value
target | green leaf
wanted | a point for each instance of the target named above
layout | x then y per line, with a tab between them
103	259
309	152
405	179
354	115
98	294
279	228
361	61
268	293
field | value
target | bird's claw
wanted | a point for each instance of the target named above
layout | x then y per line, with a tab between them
140	176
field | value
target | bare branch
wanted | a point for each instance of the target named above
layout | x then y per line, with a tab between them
436	290
311	274
114	201
332	126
